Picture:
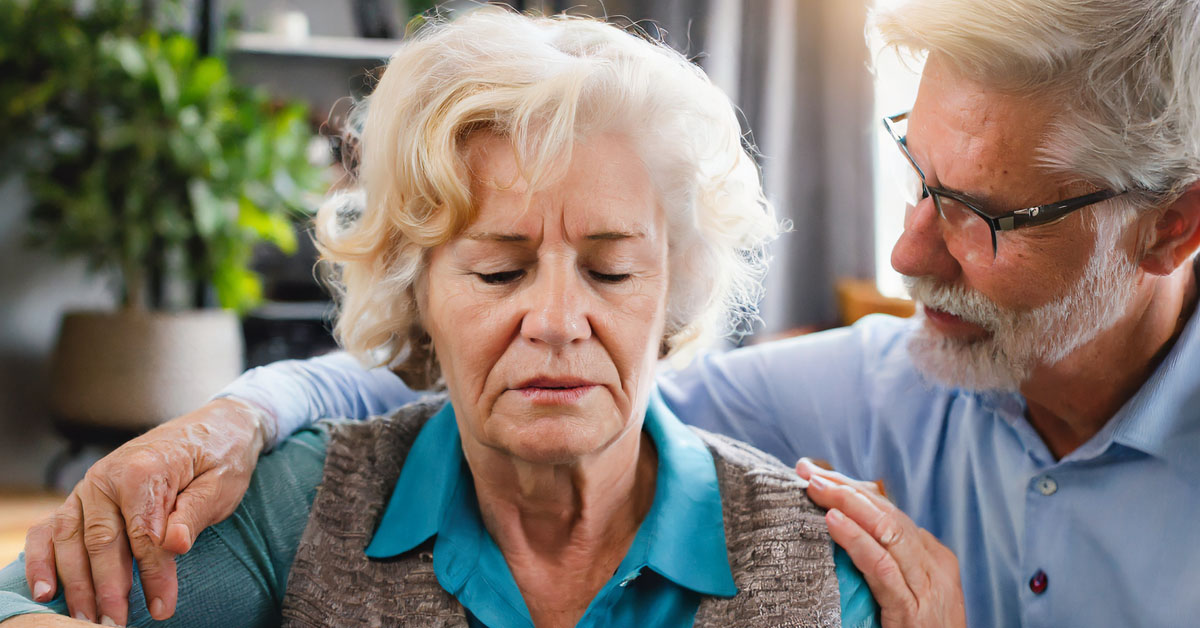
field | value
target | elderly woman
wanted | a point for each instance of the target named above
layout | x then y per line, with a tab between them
550	206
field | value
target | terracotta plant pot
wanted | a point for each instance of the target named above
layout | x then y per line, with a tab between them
131	370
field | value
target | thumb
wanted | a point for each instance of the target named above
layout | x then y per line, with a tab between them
178	539
200	505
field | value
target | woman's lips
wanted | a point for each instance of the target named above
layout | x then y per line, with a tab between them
555	396
952	325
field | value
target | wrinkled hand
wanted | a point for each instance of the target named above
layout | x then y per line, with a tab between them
913	577
152	496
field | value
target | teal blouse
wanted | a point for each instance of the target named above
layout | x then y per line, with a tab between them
236	573
677	556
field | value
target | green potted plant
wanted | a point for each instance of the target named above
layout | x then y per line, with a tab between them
143	156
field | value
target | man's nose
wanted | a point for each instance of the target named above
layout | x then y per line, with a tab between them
557	305
921	249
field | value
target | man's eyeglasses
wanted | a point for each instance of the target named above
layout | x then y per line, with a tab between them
973	228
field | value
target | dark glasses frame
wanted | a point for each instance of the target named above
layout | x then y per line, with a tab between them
1027	217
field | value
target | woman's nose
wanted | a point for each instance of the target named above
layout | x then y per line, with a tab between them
921	250
557	308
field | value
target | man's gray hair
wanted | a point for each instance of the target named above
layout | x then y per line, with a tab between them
1125	73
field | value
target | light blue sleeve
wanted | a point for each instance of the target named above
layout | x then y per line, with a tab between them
300	392
859	609
236	572
815	395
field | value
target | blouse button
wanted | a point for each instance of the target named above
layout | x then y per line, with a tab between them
1038	582
1047	486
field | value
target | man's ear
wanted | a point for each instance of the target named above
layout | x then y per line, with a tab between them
1176	234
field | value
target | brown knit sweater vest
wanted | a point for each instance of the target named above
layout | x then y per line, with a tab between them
779	547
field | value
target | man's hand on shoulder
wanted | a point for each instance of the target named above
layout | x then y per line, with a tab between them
914	578
146	501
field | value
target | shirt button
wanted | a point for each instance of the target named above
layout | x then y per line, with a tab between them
1038	582
1047	486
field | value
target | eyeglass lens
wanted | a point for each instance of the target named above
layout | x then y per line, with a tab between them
967	235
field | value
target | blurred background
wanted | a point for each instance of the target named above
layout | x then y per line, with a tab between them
159	160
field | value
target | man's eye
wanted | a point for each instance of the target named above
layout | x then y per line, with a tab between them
610	278
500	278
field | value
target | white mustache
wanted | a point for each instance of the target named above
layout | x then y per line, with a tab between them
968	305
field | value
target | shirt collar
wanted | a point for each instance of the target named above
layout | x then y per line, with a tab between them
684	528
1161	418
687	542
424	492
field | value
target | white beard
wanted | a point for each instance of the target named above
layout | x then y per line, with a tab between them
1019	341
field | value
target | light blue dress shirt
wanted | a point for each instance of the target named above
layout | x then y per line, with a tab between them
1107	536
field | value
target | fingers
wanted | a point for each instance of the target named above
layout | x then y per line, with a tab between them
39	561
156	566
144	505
805	467
71	560
912	575
189	515
210	454
179	538
890	527
877	565
108	552
204	502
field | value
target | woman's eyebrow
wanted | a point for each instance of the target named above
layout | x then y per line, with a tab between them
615	235
489	236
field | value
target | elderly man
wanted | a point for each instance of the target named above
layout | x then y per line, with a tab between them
1035	420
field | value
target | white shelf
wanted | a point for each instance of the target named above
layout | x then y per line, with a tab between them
315	46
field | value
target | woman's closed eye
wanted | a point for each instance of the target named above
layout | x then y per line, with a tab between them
510	276
609	277
501	278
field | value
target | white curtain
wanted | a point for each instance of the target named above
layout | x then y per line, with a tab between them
798	70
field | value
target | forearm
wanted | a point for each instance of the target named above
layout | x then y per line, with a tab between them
295	393
42	620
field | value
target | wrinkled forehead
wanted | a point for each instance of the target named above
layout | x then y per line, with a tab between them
603	186
958	123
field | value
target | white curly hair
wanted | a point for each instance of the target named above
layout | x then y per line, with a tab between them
543	83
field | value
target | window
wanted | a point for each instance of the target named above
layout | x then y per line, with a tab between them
896	81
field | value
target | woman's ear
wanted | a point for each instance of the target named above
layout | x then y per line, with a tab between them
1176	234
